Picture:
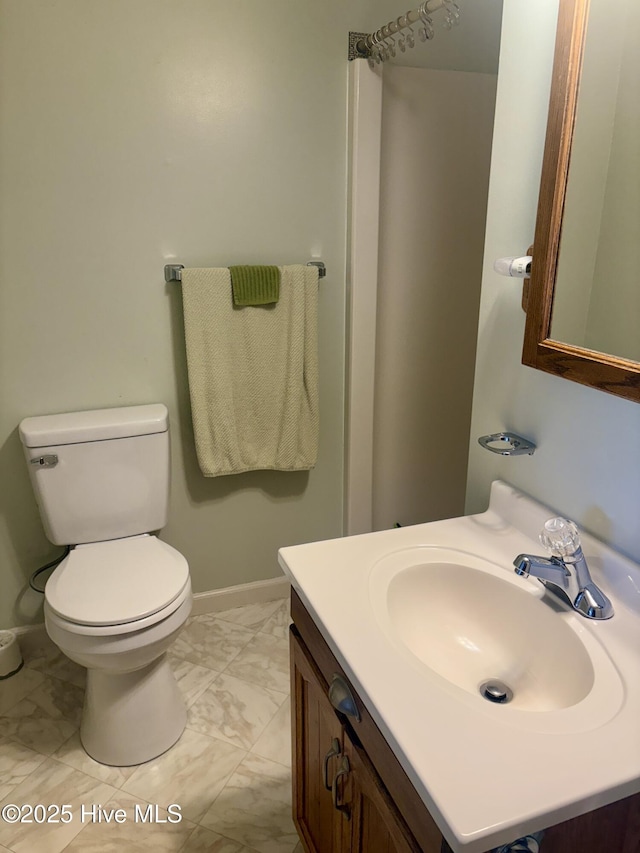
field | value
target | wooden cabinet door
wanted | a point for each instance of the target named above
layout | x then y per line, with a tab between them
374	821
317	748
340	804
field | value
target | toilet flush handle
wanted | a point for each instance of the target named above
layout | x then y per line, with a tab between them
47	461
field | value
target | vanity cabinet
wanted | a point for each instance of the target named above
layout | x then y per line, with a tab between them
341	803
351	795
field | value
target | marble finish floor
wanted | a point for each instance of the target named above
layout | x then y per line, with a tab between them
230	772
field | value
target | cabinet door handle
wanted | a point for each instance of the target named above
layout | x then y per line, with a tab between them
334	750
343	771
341	697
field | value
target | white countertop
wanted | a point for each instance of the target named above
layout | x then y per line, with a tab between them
487	777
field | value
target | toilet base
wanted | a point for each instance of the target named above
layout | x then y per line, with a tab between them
131	717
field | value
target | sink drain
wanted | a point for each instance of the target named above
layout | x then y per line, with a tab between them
496	691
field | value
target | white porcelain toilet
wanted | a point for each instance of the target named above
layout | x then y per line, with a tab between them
120	597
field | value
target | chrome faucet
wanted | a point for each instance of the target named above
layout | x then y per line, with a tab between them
566	572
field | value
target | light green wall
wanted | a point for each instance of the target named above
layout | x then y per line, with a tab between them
588	456
136	133
131	134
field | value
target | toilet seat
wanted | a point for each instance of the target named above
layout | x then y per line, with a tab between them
122	584
177	612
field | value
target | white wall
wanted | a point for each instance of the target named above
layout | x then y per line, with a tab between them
136	133
588	459
436	148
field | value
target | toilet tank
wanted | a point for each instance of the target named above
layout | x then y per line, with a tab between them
99	475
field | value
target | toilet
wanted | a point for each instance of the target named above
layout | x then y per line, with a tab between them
121	596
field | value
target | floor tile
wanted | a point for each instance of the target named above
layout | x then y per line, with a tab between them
192	774
32	640
204	841
233	670
52	784
192	679
251	616
234	710
72	753
16	763
134	835
275	741
42	655
17	687
210	643
278	623
46	718
264	661
254	807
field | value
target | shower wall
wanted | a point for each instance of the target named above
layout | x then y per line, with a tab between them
435	153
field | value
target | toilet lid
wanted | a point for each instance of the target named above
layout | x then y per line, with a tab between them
115	582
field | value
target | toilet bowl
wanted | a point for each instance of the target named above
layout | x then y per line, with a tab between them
122	641
121	595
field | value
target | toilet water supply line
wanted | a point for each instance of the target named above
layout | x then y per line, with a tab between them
42	569
380	45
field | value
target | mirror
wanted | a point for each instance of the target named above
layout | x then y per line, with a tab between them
584	294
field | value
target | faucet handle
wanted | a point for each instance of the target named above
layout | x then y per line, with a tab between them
560	536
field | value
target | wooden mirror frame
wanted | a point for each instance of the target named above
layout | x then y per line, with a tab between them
599	370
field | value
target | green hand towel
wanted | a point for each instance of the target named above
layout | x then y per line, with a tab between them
255	285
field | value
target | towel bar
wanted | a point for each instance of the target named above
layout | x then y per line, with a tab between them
173	272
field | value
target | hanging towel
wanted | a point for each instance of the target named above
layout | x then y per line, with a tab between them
255	285
253	375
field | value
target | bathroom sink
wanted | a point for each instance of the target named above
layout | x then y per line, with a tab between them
472	625
421	617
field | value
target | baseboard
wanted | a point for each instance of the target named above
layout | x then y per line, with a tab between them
203	602
36	628
236	596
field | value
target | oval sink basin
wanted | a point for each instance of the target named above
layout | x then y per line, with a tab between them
471	624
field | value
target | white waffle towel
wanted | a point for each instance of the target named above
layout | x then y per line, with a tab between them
253	373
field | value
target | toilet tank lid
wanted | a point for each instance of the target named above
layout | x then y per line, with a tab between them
95	425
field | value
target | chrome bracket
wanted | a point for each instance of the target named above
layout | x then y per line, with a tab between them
173	272
322	270
507	444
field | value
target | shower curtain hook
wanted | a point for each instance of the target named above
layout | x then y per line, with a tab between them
390	44
383	48
452	14
376	49
426	32
405	24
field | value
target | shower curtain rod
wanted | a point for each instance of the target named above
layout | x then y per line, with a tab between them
375	45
